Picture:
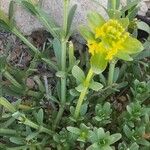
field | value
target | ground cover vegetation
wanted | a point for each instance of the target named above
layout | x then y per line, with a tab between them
97	99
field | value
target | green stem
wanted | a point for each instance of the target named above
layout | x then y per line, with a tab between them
63	80
58	117
63	63
111	72
114	4
63	86
83	94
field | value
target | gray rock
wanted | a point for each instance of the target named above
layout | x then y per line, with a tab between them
28	23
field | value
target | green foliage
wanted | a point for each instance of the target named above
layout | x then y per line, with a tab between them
113	110
78	74
98	63
102	114
102	140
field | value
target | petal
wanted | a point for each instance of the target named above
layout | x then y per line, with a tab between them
132	46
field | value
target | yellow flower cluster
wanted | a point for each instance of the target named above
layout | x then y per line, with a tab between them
108	39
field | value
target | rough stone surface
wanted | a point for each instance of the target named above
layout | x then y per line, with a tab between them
143	7
28	23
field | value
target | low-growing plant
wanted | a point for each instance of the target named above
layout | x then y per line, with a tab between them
101	106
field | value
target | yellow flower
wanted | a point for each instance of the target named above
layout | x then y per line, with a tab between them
108	40
111	36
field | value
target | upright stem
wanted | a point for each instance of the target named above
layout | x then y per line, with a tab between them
63	80
83	94
63	63
114	4
111	72
63	85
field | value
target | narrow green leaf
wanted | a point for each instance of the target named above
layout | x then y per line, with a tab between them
2	63
11	10
70	17
39	83
129	6
18	148
26	41
49	23
9	77
142	55
144	142
4	21
7	123
40	116
45	19
127	131
30	7
8	132
132	14
4	102
50	63
116	74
